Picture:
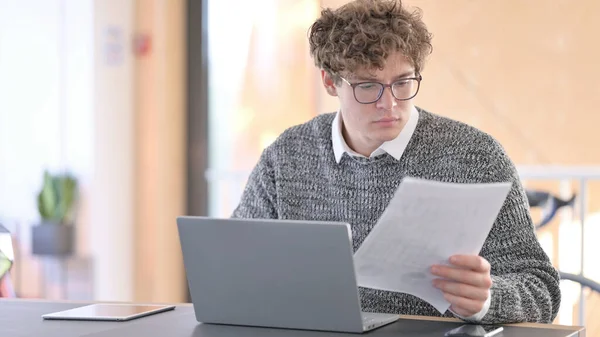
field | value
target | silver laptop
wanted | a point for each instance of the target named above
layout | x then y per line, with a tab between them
274	273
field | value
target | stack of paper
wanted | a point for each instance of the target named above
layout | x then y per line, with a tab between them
424	224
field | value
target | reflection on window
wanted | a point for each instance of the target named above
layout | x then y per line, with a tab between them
261	81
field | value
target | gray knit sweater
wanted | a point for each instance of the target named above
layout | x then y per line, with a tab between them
298	178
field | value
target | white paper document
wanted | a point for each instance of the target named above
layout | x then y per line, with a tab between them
424	224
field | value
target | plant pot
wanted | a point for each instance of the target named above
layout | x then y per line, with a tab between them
52	239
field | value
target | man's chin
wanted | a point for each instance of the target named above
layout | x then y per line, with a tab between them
385	135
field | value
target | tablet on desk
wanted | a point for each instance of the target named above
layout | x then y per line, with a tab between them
108	312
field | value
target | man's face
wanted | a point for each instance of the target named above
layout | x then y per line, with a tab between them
367	126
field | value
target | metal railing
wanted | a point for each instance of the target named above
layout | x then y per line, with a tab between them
581	174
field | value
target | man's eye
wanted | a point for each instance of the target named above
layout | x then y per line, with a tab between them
368	86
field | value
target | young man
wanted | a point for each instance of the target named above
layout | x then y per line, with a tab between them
346	166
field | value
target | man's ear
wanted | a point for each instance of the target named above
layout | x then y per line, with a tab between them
328	83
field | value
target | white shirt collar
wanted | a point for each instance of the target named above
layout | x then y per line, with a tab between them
394	147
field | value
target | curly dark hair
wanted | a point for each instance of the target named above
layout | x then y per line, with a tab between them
363	33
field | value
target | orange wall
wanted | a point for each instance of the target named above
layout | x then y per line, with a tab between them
525	71
160	135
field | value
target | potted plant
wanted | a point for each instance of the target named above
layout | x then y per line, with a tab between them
57	203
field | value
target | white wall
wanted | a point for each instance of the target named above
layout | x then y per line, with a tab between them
112	189
77	141
30	118
46	110
64	105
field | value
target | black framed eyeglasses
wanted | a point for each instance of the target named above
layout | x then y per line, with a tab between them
370	92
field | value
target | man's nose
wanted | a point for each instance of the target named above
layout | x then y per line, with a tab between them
387	100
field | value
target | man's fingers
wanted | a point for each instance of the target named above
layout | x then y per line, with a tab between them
463	306
477	279
472	262
462	290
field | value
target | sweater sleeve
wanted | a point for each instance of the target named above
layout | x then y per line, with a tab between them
259	197
525	284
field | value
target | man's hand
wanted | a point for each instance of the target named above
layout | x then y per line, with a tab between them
466	283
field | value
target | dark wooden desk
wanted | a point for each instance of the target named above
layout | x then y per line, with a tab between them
20	318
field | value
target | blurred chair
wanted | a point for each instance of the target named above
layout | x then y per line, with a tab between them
6	287
583	281
549	203
7	258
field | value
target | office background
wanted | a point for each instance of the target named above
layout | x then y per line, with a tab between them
161	107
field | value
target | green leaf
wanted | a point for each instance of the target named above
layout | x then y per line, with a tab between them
57	198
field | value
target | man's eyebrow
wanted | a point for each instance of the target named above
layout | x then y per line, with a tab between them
405	75
373	79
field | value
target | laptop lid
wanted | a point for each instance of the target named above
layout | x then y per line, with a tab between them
273	273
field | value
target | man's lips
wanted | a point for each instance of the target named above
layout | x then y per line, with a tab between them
387	120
